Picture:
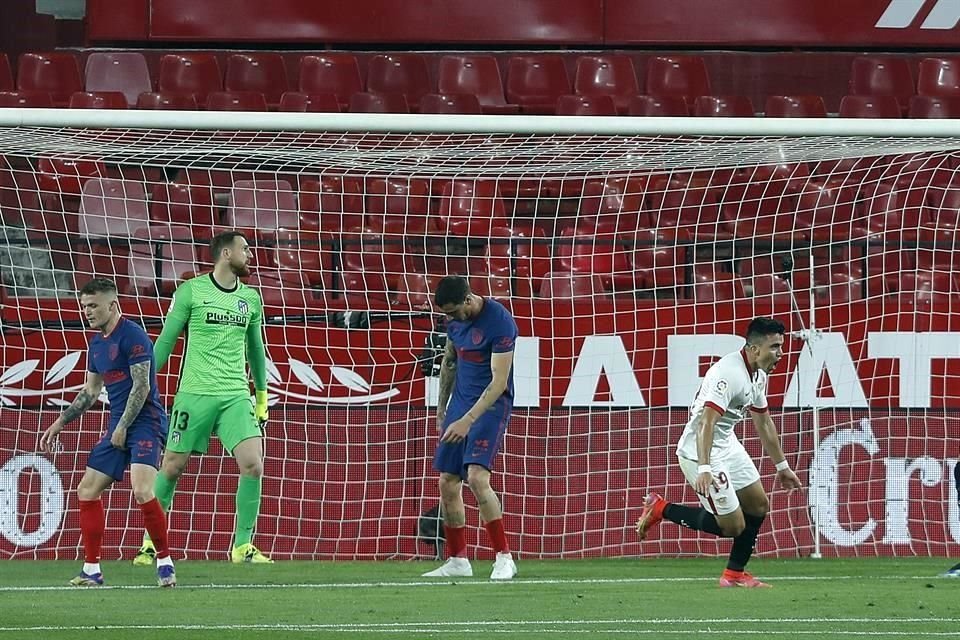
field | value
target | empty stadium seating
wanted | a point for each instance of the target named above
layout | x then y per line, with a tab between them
882	76
315	102
123	71
535	82
263	73
478	75
98	100
404	74
55	73
335	73
193	73
607	75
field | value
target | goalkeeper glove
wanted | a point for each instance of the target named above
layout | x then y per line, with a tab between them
260	407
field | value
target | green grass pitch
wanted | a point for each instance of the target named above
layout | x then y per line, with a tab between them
655	598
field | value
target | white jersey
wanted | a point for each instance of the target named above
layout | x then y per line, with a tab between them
732	389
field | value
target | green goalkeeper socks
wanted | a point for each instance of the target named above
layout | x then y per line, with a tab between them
163	488
248	507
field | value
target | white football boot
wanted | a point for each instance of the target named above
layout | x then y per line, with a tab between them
504	568
452	568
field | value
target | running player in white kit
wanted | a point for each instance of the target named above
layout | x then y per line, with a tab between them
714	461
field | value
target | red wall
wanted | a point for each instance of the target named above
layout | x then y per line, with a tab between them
346	484
690	23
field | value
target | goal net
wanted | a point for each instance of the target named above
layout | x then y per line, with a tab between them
631	260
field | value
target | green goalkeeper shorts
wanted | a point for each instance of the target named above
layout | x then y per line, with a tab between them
197	417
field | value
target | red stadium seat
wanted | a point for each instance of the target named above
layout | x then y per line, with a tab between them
614	202
723	106
196	73
607	75
416	290
304	252
167	101
659	259
113	208
263	73
763	200
498	253
934	107
567	286
450	103
288	292
478	75
536	81
365	289
370	252
688	203
926	289
658	106
98	100
67	175
678	76
187	205
399	199
942	218
577	105
402	73
471	207
336	73
771	288
939	77
169	247
262	205
22	99
364	102
97	258
55	73
588	249
795	107
124	71
6	75
532	256
826	208
882	76
884	266
870	107
236	101
716	286
890	208
331	203
313	103
491	285
841	288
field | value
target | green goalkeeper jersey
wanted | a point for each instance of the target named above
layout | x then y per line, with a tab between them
224	331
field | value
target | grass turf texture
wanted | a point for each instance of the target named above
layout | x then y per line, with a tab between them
656	598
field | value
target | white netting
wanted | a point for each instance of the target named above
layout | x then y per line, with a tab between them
630	262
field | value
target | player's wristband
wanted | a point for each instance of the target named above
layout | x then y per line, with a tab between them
782	465
704	468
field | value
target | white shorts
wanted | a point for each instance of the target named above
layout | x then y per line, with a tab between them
731	473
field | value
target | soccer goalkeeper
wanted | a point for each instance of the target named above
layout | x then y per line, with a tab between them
223	320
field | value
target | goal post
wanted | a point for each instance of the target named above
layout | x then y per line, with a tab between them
632	251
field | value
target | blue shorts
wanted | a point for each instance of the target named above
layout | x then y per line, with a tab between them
481	445
144	446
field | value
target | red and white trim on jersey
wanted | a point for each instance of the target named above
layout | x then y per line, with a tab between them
731	387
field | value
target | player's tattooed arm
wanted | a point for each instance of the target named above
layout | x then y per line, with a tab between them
448	374
84	400
140	374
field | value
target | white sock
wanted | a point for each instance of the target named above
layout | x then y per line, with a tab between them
91	568
165	562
